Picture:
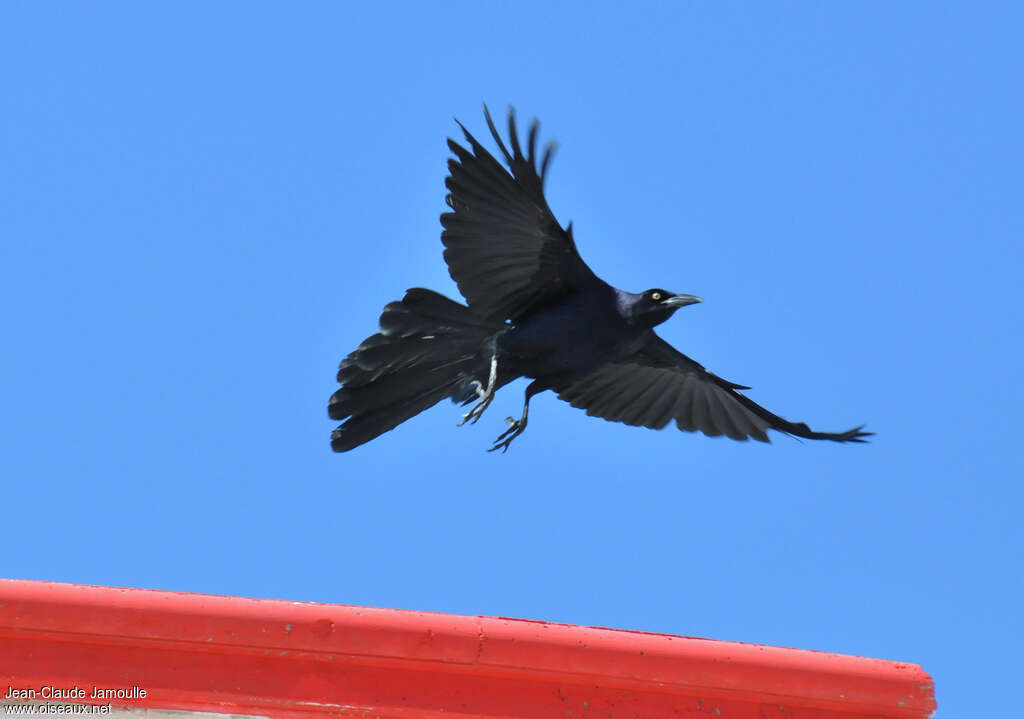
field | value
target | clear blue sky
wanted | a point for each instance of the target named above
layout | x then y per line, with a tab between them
206	206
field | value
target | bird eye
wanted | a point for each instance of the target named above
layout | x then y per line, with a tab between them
656	296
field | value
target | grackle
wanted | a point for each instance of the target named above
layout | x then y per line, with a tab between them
534	310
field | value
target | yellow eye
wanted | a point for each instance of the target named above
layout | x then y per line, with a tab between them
656	296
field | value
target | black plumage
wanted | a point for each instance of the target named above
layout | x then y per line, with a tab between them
536	310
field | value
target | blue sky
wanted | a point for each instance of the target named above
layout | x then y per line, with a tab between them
207	206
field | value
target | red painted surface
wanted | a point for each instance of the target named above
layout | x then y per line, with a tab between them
291	659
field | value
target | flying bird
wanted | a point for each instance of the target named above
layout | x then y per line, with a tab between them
533	309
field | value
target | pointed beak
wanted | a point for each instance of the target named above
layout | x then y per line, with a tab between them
681	300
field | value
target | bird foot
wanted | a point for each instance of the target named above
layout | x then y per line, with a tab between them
515	428
477	410
486	395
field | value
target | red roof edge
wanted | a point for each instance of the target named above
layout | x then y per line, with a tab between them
167	650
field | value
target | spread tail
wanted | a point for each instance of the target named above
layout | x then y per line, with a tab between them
427	349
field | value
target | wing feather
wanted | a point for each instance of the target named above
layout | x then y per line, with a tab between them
658	384
504	248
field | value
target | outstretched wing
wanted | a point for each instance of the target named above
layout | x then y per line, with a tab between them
658	384
503	246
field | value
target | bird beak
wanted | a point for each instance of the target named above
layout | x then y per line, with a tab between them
681	300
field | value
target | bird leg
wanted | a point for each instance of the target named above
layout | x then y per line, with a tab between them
517	426
486	395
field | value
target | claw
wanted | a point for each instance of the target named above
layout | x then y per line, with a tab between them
515	428
477	410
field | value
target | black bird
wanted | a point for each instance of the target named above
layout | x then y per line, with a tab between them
535	310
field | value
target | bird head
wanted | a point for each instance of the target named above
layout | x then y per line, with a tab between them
655	306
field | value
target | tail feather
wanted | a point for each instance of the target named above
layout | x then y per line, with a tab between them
368	424
388	390
428	349
425	312
370	362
